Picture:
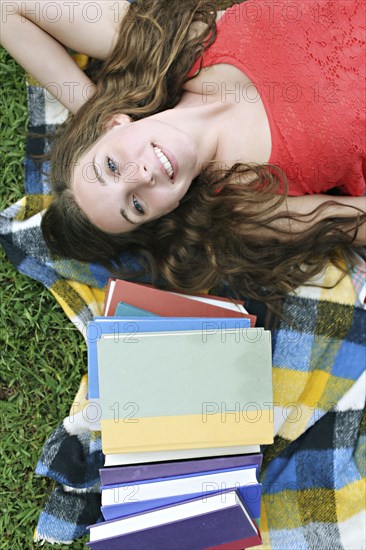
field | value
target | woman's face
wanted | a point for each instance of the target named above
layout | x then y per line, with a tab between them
136	172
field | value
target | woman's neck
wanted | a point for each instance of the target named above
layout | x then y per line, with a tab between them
201	119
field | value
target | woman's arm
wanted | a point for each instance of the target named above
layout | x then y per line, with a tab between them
341	207
35	33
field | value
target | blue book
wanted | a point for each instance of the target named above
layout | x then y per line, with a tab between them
251	495
128	329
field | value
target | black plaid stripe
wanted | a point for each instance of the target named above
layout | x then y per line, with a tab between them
300	314
14	254
79	468
320	435
334	320
347	428
78	509
357	331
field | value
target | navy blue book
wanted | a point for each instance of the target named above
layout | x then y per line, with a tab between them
204	523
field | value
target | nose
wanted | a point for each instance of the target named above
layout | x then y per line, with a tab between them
144	174
135	175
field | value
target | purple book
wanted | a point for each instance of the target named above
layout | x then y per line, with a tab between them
251	495
198	524
141	472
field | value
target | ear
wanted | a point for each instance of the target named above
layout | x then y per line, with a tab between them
116	120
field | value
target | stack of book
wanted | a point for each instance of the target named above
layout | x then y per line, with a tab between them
184	388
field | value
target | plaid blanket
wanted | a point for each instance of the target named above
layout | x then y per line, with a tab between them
313	475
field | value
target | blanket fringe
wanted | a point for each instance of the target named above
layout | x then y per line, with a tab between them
42	539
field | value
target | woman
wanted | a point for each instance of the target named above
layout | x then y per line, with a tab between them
211	174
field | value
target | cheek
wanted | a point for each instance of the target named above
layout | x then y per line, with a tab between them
166	209
164	201
173	204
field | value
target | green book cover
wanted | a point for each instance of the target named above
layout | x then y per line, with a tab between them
180	390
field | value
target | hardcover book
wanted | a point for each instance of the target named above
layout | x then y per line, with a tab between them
129	329
119	459
178	390
168	304
142	472
128	498
198	524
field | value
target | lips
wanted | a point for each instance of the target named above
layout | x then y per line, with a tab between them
167	161
164	161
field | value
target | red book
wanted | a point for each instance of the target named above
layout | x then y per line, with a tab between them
202	295
164	303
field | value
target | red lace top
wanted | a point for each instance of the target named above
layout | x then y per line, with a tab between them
307	61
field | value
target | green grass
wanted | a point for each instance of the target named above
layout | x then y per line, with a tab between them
42	354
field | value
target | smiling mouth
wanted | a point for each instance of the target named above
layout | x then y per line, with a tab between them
165	162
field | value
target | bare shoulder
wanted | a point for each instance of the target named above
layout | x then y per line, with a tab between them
215	74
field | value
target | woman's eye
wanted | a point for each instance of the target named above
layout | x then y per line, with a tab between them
137	206
112	166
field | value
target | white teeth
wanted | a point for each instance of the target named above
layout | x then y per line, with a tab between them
164	161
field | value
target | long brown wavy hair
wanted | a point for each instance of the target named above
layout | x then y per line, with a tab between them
239	235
